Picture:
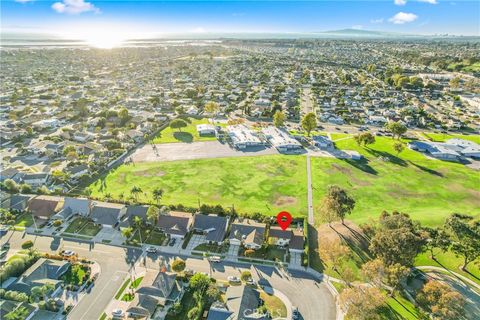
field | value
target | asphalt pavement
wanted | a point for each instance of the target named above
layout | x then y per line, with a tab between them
309	294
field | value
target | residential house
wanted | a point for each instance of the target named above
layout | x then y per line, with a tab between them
214	227
74	206
7	306
17	202
41	272
11	173
77	171
156	289
132	212
248	233
43	207
323	142
107	214
36	180
241	303
175	224
279	237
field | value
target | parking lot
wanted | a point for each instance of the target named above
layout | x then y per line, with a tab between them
195	150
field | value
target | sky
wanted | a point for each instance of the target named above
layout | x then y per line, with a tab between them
151	18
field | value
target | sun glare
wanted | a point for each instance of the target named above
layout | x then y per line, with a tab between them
105	39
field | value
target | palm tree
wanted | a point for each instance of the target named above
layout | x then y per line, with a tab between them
127	232
135	191
157	194
138	222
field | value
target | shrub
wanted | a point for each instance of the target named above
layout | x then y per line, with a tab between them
178	265
57	223
27	244
249	252
246	275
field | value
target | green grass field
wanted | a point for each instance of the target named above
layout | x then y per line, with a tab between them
24	220
188	134
266	184
442	137
429	190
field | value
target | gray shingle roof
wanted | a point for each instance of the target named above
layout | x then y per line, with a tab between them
214	226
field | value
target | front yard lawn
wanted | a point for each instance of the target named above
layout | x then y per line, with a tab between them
274	305
76	275
24	220
156	238
270	252
213	248
90	229
77	225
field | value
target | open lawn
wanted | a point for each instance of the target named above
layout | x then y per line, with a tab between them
274	305
270	253
265	184
24	220
90	229
429	190
449	261
188	134
442	137
213	248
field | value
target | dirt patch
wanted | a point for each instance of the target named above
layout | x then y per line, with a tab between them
285	201
349	233
149	173
342	169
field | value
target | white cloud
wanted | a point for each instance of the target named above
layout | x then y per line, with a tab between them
400	2
74	7
24	1
377	21
429	1
357	27
402	18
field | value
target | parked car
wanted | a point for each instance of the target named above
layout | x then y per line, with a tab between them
188	272
233	279
214	259
251	282
68	253
172	242
295	313
117	313
152	250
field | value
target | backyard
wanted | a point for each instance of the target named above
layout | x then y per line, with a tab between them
187	134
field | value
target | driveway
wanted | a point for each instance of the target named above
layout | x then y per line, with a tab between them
295	260
109	235
233	250
196	240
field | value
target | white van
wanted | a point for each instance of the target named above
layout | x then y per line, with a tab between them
214	259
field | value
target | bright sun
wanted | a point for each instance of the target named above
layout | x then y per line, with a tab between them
104	39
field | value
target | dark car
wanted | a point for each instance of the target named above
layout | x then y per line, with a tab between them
172	242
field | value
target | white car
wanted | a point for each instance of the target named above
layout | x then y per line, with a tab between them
251	282
233	279
117	313
152	250
215	259
68	253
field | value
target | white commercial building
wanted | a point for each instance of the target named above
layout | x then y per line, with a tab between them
281	139
242	137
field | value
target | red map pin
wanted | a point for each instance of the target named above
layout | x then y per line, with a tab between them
284	219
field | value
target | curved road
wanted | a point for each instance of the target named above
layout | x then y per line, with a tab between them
310	295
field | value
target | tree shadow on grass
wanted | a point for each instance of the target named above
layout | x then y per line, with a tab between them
315	261
428	170
361	164
186	137
393	159
362	253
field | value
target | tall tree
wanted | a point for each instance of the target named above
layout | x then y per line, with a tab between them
397	240
362	303
157	194
279	118
398	147
436	239
178	124
135	191
309	122
333	252
374	271
127	232
152	214
442	301
212	107
396	128
465	235
338	203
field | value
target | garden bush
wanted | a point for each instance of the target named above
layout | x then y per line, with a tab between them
27	244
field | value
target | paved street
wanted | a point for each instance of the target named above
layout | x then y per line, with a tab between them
113	261
310	295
